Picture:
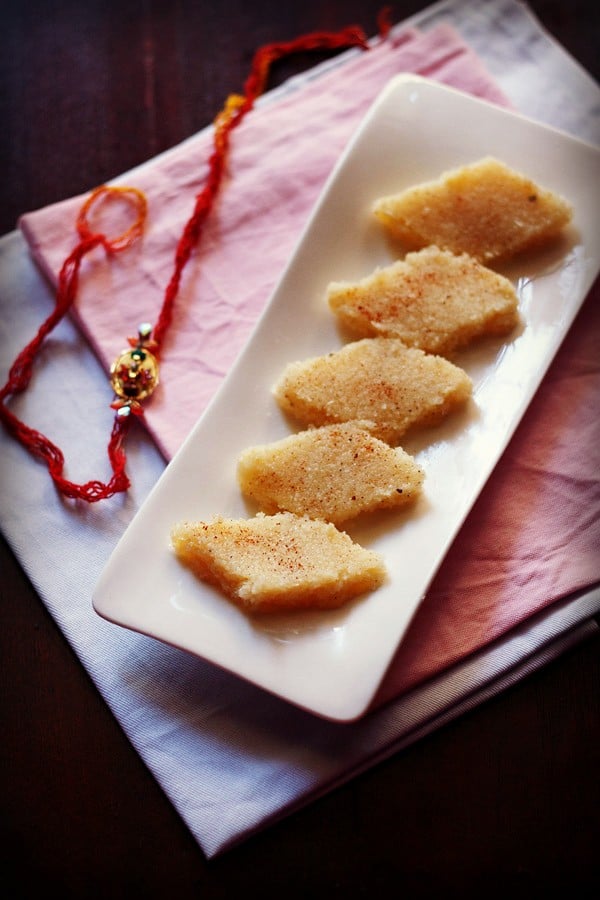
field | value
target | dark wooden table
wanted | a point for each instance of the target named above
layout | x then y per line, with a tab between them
504	802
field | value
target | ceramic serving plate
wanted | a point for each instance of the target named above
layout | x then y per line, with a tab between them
331	663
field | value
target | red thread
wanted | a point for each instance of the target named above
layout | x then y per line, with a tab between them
384	21
233	112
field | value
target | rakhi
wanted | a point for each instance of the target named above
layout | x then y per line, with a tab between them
135	373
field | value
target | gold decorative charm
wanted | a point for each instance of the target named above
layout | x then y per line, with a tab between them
134	373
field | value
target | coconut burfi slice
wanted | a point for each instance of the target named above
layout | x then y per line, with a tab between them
485	209
432	299
379	381
281	562
334	472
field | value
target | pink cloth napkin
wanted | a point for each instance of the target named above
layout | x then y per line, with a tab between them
534	535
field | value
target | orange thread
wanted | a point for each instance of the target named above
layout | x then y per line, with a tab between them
132	195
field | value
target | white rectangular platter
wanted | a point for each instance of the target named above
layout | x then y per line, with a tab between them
332	663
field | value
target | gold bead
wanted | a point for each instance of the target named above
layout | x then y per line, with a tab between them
134	374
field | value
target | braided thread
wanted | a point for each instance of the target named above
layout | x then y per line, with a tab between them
235	109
